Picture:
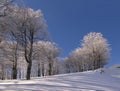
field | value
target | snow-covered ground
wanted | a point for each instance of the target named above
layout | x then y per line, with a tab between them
85	81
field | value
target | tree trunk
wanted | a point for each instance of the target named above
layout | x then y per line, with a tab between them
39	70
3	73
50	69
15	70
43	70
14	73
15	62
29	70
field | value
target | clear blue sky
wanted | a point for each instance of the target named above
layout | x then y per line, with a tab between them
69	20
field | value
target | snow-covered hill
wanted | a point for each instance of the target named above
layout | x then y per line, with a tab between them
109	80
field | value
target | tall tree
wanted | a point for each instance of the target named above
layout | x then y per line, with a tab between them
5	10
98	49
5	61
5	7
94	53
29	28
12	55
47	53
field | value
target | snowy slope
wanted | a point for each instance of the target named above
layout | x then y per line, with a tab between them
85	81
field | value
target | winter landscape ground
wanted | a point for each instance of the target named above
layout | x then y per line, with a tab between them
84	81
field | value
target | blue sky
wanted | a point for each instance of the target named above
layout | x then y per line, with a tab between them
69	20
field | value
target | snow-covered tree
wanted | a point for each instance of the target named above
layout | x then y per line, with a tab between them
5	7
94	53
98	49
4	61
47	53
11	54
29	27
5	10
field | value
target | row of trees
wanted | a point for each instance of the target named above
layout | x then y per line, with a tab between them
94	53
27	50
23	27
13	64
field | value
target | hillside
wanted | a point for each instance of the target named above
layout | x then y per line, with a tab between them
84	81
